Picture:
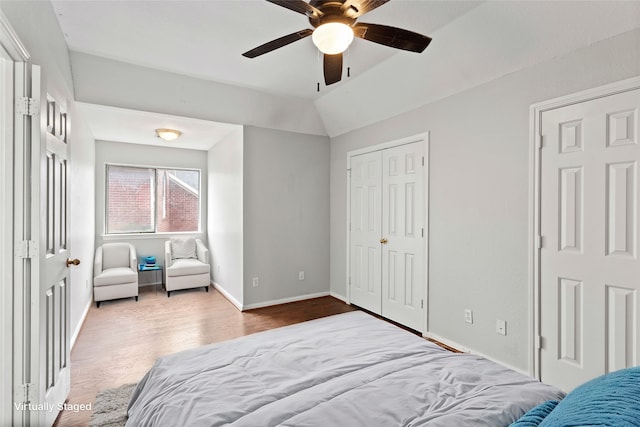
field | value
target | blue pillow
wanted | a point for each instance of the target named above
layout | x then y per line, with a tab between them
534	417
609	400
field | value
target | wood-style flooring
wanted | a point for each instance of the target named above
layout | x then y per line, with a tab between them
121	340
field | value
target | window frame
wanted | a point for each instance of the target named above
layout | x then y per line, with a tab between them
155	232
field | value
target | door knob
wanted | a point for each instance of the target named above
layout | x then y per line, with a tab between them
383	241
70	261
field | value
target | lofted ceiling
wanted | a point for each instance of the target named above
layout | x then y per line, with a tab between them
473	42
206	39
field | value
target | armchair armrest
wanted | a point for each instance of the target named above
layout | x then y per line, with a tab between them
97	262
202	252
167	255
133	258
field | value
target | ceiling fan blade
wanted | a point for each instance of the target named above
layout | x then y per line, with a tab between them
355	8
392	36
332	68
277	43
299	6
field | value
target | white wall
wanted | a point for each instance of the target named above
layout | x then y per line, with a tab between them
82	218
106	82
479	193
225	217
145	155
286	215
285	130
36	25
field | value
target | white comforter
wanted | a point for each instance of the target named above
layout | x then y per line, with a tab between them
345	370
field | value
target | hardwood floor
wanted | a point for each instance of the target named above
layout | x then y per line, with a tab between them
121	340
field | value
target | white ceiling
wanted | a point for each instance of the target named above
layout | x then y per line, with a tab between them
206	39
473	42
138	127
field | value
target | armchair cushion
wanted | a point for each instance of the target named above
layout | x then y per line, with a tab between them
187	267
183	248
115	276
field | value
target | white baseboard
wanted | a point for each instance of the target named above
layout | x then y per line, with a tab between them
499	362
448	342
340	297
74	337
464	349
284	300
228	296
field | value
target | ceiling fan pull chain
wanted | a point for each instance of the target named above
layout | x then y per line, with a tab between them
348	71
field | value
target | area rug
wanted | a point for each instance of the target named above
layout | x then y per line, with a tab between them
110	408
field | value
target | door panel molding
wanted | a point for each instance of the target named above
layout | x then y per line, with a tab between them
622	127
410	164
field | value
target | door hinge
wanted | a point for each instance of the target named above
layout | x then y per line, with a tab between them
421	303
539	243
423	232
540	142
26	249
422	160
24	393
27	106
538	342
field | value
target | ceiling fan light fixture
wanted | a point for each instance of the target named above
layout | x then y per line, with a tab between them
168	134
332	38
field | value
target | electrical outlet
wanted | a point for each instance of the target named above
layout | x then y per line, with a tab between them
468	315
256	282
301	275
501	327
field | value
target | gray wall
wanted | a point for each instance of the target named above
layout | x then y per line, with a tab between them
226	213
145	155
36	25
286	215
479	193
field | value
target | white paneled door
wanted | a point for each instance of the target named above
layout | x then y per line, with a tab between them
42	261
589	266
403	235
53	288
387	243
366	231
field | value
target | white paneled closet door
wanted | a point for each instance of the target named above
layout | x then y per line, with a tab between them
589	267
387	242
366	229
403	235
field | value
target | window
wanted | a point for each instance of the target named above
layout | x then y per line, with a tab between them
152	200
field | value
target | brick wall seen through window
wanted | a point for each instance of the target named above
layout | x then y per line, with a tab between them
147	200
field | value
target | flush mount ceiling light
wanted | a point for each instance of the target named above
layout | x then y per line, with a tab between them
332	38
168	134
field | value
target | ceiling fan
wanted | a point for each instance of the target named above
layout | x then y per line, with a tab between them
335	26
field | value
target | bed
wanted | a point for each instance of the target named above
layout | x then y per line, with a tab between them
349	369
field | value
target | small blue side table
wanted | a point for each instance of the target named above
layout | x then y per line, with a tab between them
150	275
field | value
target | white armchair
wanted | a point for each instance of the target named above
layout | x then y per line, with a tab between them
186	264
115	272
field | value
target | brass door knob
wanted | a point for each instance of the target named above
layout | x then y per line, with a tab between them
383	241
70	261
